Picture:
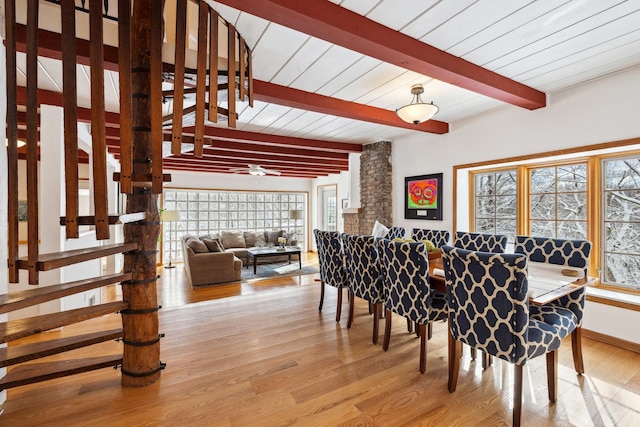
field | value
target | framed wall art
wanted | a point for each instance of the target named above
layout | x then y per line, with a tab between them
423	197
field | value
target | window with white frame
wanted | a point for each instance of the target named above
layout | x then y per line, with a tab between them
212	211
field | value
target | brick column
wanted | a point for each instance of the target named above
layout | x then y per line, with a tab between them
375	187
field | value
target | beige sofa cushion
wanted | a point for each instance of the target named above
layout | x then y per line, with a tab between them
197	245
233	239
214	245
254	238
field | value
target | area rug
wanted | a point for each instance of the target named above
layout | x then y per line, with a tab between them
276	270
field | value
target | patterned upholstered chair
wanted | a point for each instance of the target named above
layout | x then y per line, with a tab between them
363	276
571	253
482	242
439	238
488	310
407	291
396	233
331	260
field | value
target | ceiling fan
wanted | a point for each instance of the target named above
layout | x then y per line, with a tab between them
255	170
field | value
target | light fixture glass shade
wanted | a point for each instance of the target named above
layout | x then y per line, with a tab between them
417	113
295	214
256	172
170	216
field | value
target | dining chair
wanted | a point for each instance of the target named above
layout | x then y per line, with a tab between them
407	291
482	242
570	308
363	276
396	233
331	262
487	296
439	238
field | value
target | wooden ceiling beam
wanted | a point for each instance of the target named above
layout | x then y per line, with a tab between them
335	24
271	139
282	95
213	154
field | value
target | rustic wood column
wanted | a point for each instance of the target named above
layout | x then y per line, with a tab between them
141	359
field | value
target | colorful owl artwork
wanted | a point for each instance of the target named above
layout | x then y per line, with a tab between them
423	194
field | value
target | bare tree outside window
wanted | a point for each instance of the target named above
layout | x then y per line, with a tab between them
558	201
621	217
495	197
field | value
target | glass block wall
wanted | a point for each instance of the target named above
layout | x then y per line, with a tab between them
211	211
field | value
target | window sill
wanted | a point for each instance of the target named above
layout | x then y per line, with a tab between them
613	298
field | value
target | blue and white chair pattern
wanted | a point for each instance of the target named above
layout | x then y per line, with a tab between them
569	308
331	261
407	291
396	233
482	242
488	310
363	276
439	238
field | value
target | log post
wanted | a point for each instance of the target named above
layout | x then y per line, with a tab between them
141	359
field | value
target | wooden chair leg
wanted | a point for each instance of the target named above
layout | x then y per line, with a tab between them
473	353
417	327
552	375
339	308
370	308
409	326
429	330
517	395
487	360
387	330
321	296
351	309
576	346
423	347
455	348
376	322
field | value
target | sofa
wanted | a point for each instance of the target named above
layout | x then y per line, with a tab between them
218	258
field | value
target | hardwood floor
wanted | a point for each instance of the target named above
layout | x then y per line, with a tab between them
261	354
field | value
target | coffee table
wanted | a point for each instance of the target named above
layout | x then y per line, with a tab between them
256	253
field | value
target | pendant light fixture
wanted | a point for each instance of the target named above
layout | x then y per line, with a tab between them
417	111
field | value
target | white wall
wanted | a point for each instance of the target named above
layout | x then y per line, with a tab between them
601	111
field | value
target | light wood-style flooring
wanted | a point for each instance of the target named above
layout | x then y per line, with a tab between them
260	354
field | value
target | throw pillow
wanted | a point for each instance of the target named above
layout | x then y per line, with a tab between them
197	245
291	238
254	238
272	236
233	239
214	245
379	230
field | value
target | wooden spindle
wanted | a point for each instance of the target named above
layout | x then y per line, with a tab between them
201	81
243	69
178	89
155	95
98	137
69	100
12	138
32	140
124	72
250	83
231	67
213	66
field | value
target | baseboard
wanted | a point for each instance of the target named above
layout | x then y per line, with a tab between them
608	339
